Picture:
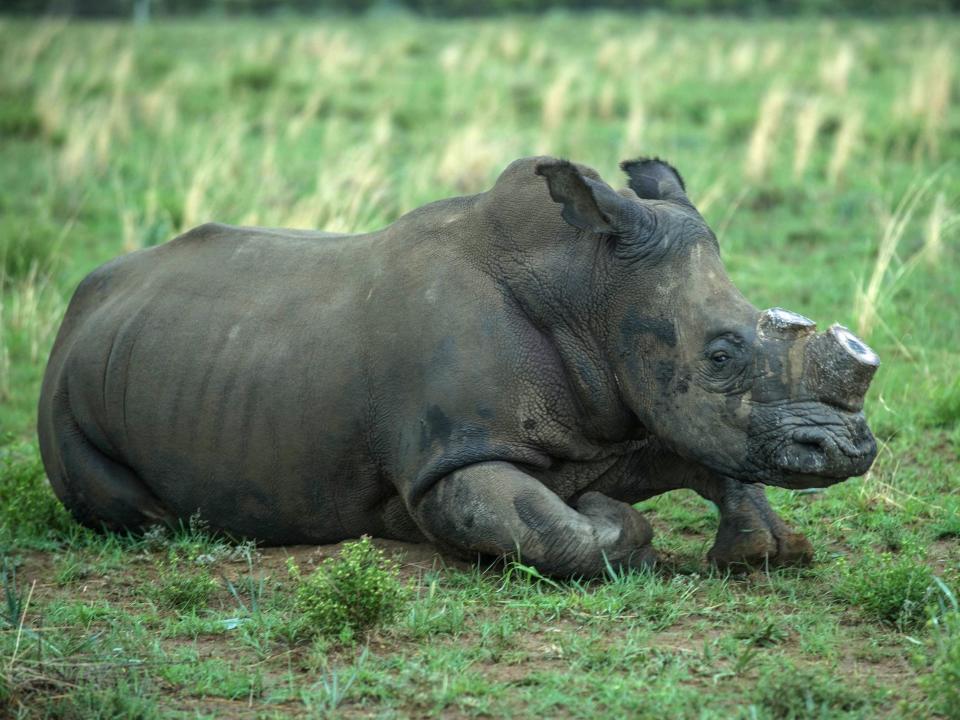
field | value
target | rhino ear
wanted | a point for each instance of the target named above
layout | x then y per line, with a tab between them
587	204
655	179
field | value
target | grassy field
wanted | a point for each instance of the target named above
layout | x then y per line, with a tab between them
820	152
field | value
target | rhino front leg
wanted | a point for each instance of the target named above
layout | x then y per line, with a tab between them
495	509
750	532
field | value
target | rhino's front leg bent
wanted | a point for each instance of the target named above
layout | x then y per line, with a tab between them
750	532
494	508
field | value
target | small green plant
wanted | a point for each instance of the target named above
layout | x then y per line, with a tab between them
177	589
350	594
891	590
194	542
787	692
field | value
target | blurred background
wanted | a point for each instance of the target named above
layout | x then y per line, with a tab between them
141	9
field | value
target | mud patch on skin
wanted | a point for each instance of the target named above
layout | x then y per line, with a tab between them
633	326
664	374
435	428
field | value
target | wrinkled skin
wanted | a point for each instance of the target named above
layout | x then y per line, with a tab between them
506	372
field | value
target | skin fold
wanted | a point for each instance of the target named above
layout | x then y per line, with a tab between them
501	373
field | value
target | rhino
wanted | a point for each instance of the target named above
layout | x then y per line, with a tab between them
502	374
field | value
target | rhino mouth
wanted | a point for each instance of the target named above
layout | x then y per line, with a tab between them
815	457
806	455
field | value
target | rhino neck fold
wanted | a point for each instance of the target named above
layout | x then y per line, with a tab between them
554	288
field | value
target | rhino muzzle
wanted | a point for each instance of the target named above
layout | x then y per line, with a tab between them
831	372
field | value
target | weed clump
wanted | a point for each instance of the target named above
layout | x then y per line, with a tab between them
786	691
890	590
350	594
175	589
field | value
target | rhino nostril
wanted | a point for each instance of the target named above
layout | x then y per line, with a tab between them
810	439
809	445
806	451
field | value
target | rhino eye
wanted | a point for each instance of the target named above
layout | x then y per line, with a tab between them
724	352
720	358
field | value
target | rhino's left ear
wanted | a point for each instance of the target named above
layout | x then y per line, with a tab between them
655	179
587	204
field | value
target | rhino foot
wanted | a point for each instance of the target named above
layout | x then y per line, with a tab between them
632	550
751	534
744	549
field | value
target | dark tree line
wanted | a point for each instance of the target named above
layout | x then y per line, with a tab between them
144	9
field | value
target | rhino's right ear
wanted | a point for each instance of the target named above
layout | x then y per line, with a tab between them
587	204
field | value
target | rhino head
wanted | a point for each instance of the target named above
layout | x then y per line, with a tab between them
755	396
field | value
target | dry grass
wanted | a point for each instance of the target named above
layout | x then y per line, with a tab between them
887	268
933	239
762	147
807	124
30	312
929	95
848	139
835	69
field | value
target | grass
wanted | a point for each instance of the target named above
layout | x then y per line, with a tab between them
175	588
820	152
888	589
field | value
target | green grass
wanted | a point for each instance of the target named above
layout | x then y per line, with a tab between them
888	589
820	151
